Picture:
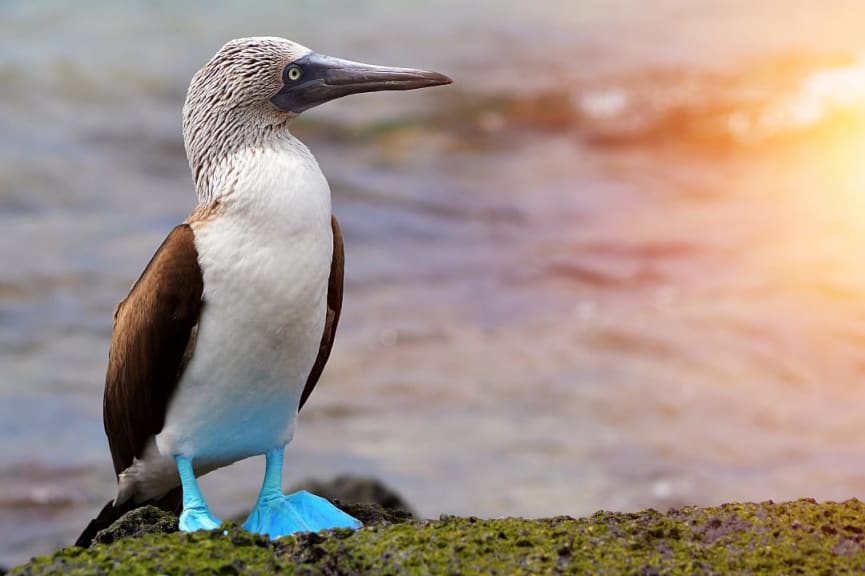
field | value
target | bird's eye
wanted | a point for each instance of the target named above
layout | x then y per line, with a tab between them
293	73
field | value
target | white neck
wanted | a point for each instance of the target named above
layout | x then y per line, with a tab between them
279	183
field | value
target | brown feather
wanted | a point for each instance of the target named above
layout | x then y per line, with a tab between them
154	336
150	346
334	306
153	339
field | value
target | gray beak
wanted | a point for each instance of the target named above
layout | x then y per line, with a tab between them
316	79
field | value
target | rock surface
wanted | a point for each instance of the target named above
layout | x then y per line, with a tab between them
801	537
356	490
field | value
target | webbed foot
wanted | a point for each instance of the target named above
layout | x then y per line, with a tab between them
192	519
280	515
196	514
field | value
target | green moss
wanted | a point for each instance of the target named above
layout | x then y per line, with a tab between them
801	537
137	523
236	552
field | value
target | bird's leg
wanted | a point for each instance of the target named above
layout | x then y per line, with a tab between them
276	514
196	514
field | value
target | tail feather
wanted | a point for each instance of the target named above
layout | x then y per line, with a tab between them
105	519
110	513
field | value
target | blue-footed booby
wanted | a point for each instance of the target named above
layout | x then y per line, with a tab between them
224	336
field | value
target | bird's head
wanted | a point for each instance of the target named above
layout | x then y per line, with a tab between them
253	87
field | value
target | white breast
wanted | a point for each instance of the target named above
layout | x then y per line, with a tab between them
265	259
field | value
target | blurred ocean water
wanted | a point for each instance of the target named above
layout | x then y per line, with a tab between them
616	265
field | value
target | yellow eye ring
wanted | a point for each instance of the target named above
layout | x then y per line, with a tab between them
293	73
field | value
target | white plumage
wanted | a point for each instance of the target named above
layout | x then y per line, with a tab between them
265	260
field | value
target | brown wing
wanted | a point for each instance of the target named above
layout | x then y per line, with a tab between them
153	328
334	305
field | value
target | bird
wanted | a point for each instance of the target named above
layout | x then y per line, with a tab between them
224	336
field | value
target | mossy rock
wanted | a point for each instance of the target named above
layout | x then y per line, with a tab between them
801	537
137	523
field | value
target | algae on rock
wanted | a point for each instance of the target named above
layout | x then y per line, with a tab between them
801	537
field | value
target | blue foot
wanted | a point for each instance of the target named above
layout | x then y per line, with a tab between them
196	514
192	519
279	515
